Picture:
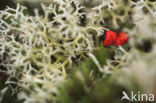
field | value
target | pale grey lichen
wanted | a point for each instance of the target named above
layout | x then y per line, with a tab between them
37	50
138	64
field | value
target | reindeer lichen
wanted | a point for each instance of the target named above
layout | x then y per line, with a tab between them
38	51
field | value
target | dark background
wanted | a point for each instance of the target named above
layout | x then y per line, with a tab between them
5	3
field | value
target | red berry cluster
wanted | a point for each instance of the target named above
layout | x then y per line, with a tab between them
111	38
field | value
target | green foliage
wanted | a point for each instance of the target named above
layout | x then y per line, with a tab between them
82	87
85	84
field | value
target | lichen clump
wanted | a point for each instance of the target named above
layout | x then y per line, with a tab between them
37	52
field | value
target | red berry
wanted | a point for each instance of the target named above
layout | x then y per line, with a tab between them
122	39
110	38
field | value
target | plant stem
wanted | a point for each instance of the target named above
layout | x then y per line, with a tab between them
122	49
96	62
